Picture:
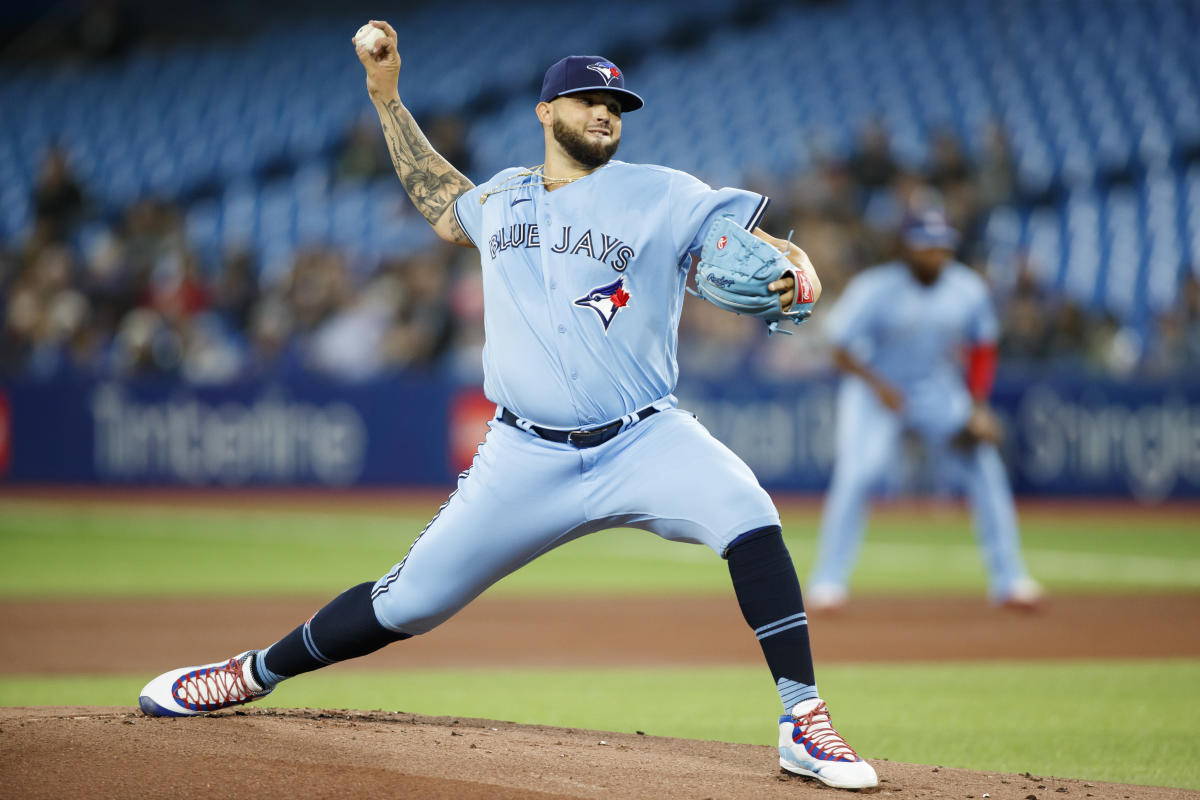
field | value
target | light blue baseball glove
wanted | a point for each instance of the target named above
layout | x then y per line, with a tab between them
735	269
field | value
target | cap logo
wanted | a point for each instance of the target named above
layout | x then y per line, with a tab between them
721	243
606	70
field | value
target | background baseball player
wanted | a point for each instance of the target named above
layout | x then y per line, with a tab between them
584	264
898	333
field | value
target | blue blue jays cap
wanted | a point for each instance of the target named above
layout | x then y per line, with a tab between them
575	74
929	230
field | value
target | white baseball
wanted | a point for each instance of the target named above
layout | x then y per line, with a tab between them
368	36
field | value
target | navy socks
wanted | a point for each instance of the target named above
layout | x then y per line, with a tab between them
768	592
764	580
345	628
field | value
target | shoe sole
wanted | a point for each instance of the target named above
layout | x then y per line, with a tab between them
152	709
787	766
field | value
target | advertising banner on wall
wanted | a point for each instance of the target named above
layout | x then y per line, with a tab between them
294	433
1064	436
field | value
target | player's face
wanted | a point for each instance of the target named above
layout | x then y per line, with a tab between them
587	126
927	262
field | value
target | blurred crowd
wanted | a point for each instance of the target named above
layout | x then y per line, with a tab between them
846	212
133	298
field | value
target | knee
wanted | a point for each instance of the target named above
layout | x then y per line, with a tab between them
402	610
758	544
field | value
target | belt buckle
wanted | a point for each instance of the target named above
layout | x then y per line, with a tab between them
587	438
578	438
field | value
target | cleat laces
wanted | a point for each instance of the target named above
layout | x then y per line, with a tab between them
817	728
214	687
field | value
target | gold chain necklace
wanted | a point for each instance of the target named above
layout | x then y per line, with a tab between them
538	171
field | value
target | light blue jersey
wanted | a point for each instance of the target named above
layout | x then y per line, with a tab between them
583	288
913	336
584	285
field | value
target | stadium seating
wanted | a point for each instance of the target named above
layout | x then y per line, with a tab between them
1101	101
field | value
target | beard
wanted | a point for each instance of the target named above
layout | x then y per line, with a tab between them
589	154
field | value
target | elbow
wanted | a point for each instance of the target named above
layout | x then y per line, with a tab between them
449	230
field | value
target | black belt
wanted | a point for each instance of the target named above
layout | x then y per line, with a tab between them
586	437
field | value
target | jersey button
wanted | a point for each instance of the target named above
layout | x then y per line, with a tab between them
562	328
574	376
553	286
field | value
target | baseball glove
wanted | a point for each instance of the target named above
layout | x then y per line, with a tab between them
735	268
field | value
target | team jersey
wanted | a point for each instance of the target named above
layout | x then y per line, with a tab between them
583	286
913	335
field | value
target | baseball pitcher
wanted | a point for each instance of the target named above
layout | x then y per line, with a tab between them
584	261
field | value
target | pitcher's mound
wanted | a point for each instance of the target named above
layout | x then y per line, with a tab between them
119	753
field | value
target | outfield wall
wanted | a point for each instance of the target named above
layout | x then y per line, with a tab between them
1066	436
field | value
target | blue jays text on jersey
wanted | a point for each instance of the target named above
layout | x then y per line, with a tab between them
568	344
602	247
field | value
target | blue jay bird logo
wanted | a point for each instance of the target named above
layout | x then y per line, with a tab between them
606	300
606	70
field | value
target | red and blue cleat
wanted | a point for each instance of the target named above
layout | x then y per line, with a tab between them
189	691
808	745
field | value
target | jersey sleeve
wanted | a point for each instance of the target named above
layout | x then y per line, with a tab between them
850	319
695	206
984	326
469	213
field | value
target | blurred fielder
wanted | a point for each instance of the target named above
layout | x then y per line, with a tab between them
585	261
898	333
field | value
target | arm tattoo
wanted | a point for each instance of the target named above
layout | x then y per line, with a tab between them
430	180
456	230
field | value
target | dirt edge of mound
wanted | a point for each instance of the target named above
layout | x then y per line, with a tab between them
118	752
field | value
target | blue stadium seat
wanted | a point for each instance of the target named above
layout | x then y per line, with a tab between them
1084	90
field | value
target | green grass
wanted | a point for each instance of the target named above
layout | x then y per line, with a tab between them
138	549
1132	722
1121	721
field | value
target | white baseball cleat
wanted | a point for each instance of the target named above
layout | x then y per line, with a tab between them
1025	594
808	745
188	691
825	597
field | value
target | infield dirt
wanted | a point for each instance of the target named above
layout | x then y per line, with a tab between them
100	636
117	753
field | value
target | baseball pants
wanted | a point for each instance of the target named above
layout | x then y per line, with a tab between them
523	496
868	447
